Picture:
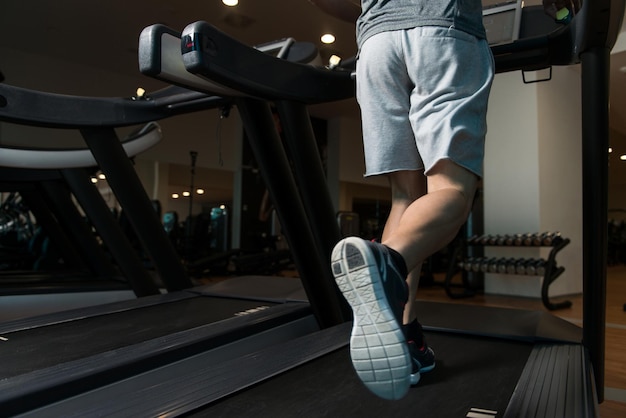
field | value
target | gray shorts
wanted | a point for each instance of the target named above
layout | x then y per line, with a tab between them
423	94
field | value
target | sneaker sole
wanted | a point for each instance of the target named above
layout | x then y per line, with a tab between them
427	369
378	349
415	377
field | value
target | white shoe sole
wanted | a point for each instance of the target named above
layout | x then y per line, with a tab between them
378	349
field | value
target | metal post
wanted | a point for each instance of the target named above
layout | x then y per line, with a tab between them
272	159
109	230
125	183
311	178
309	172
595	143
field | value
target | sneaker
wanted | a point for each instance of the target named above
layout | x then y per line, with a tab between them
377	293
423	361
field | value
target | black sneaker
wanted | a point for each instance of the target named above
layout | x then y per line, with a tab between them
377	293
423	361
422	355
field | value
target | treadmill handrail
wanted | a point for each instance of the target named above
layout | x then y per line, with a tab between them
600	24
160	57
212	54
593	26
52	110
58	159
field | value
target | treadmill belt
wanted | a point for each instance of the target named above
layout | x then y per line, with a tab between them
37	348
470	373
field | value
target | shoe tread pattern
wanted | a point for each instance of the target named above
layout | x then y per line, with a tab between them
378	350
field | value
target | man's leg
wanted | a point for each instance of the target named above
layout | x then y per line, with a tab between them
372	277
426	225
432	221
406	188
377	291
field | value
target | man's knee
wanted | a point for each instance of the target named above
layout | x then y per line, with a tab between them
407	185
446	174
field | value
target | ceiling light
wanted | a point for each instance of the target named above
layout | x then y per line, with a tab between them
610	150
200	191
328	38
175	195
622	157
101	176
94	180
230	3
186	194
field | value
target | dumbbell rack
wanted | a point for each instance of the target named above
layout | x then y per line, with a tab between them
519	266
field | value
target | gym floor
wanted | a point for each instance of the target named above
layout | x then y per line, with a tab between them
614	405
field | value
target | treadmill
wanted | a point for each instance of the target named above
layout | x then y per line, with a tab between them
57	356
504	363
559	369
